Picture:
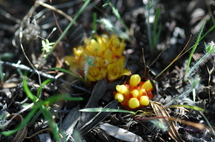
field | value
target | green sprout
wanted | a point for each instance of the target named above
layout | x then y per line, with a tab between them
153	37
41	106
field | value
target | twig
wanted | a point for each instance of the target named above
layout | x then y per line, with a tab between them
23	67
55	9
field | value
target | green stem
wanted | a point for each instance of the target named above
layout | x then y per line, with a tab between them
67	29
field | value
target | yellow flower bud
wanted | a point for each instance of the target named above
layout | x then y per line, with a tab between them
147	85
134	80
144	100
135	93
133	103
122	89
119	97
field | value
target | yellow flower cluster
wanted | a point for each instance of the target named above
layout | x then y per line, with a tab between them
99	58
135	94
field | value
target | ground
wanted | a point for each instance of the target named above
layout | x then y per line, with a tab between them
183	103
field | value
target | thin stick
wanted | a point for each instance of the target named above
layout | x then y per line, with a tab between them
55	9
176	58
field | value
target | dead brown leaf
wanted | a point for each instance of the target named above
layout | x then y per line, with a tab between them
21	134
160	111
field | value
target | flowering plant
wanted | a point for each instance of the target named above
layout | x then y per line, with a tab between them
99	58
135	94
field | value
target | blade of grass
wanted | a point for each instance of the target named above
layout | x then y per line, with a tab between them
105	110
42	86
92	122
156	32
195	46
53	126
36	115
157	14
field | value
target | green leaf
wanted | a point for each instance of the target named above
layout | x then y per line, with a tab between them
53	126
60	97
27	91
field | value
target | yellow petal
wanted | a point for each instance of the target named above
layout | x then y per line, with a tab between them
78	51
116	45
94	74
102	40
103	72
116	69
74	62
108	54
94	48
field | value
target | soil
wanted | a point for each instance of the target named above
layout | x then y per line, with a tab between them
22	29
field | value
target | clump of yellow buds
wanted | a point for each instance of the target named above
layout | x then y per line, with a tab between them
135	94
99	58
